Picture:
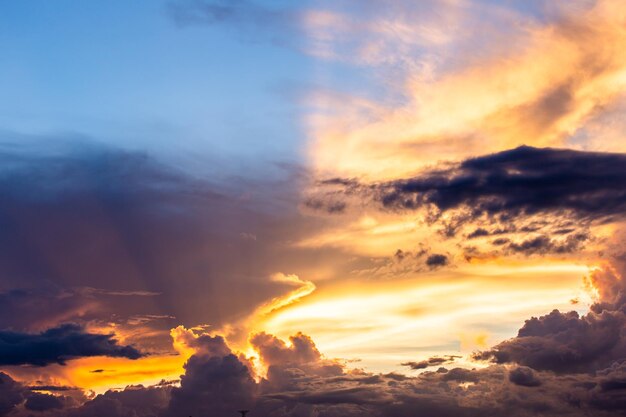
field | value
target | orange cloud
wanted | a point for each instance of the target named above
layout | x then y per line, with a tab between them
539	87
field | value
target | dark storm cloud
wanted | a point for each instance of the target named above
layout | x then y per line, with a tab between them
524	376
329	206
565	342
519	182
85	228
40	308
58	345
218	382
44	402
522	181
11	394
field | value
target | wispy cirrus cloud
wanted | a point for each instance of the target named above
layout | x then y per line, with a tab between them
536	82
359	32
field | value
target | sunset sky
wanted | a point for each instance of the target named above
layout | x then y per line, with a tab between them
373	208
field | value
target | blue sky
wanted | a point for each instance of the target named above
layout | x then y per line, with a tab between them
125	73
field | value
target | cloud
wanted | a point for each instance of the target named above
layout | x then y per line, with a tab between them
520	181
135	401
304	288
44	402
436	260
474	93
432	361
11	394
55	388
122	226
288	367
564	342
40	308
138	228
567	342
543	244
58	345
137	293
524	376
216	382
249	20
533	201
358	32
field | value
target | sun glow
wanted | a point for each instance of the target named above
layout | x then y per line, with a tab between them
386	323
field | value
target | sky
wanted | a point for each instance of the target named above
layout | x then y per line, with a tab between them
312	209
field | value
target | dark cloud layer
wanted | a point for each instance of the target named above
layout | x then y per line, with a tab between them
58	345
504	187
44	402
524	180
96	233
524	376
559	364
11	394
40	308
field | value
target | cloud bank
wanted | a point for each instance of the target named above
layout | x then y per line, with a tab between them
300	382
58	345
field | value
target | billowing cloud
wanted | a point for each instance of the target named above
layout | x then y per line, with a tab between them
568	343
216	382
58	345
304	383
524	376
44	402
133	401
11	394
